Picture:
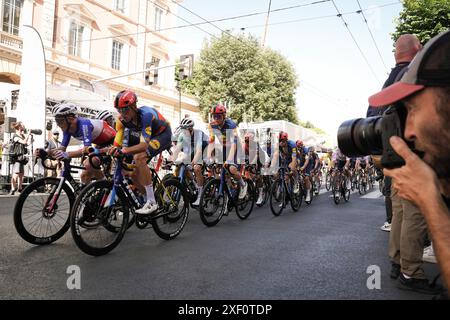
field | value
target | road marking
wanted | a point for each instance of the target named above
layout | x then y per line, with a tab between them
373	195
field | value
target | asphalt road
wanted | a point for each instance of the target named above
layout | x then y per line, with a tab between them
320	252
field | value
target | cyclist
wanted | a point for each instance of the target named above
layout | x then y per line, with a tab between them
311	164
361	163
341	163
155	137
226	131
89	131
286	154
302	151
193	143
107	116
255	155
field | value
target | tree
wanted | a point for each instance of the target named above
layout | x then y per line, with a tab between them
256	83
424	18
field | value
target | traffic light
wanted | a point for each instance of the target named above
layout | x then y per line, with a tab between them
186	65
151	75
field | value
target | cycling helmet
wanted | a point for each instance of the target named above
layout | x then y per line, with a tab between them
104	115
218	109
299	143
283	136
186	123
124	99
64	109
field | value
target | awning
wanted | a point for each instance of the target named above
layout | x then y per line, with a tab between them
82	97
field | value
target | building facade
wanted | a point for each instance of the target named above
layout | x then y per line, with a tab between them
90	40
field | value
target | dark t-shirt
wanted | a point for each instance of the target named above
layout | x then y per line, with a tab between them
394	76
447	202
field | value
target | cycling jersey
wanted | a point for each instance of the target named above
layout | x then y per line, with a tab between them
255	156
227	136
153	128
288	152
301	155
192	143
311	162
90	131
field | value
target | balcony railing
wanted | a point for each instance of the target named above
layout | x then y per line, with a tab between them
10	40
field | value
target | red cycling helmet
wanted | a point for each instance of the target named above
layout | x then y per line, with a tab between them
299	143
218	109
124	99
283	136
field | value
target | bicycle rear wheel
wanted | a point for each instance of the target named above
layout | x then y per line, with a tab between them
174	205
36	218
97	229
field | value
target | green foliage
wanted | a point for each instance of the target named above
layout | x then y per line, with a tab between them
257	83
424	18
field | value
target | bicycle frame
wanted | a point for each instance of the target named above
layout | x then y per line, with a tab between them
224	186
65	177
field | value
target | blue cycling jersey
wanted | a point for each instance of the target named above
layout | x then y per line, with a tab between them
227	134
287	152
90	131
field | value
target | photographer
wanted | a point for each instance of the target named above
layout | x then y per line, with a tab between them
20	141
406	48
424	179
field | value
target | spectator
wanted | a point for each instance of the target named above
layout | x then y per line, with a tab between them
406	47
19	137
53	143
424	91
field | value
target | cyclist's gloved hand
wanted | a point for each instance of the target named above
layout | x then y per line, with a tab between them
115	151
61	155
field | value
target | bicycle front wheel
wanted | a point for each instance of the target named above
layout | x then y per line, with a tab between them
97	229
336	190
41	213
245	205
277	197
212	204
174	205
328	182
296	194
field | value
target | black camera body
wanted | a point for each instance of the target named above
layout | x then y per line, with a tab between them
49	125
370	136
36	131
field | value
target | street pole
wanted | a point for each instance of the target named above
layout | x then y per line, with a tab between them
179	100
263	41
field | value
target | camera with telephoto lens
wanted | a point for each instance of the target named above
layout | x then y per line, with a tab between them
49	125
36	131
370	136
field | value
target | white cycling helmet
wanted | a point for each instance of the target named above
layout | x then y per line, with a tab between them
104	115
64	109
186	123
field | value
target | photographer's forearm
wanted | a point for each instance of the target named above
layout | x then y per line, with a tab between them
437	216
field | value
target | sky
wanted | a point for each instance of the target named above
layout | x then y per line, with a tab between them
335	78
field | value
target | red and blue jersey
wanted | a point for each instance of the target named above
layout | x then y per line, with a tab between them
90	131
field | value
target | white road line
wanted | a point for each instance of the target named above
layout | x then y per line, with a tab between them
373	195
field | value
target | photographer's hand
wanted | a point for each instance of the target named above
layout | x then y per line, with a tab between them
410	180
